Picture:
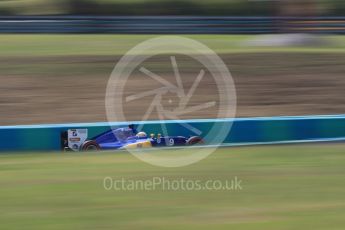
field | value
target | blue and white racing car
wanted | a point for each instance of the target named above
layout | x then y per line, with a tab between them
121	138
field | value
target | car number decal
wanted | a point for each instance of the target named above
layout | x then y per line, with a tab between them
171	142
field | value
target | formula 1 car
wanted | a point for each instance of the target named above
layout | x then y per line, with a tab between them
121	138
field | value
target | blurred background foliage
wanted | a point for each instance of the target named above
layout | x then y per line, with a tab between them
161	7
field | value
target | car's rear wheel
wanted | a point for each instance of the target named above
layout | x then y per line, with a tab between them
90	146
195	141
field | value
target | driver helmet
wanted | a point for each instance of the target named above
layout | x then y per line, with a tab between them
141	135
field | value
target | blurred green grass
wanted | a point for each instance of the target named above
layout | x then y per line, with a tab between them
59	45
155	7
134	7
284	187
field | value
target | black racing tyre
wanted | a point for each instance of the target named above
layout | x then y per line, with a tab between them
195	141
90	146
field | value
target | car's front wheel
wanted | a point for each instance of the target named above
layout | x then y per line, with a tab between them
195	141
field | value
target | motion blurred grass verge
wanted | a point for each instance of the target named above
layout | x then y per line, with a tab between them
56	45
62	78
284	187
156	7
134	7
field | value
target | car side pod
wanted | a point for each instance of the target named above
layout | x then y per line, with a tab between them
139	145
